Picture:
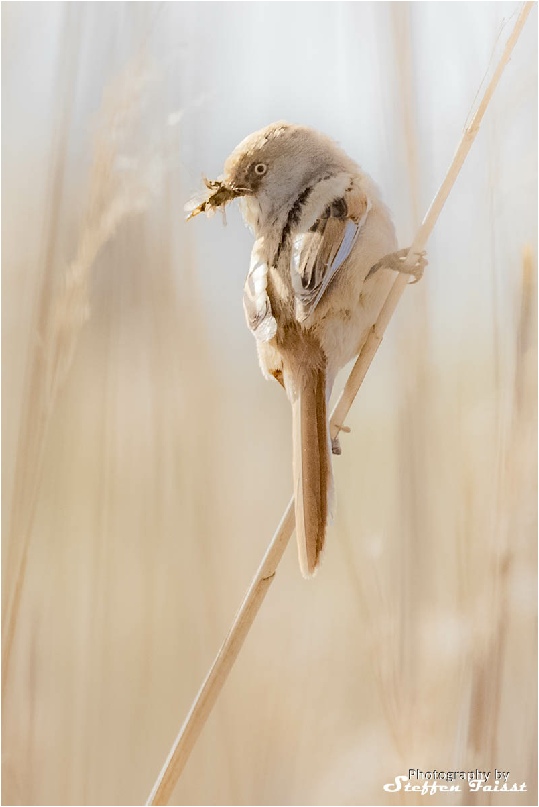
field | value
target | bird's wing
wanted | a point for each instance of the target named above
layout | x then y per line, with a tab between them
318	253
256	302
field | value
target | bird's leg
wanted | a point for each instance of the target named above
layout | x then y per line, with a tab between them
395	261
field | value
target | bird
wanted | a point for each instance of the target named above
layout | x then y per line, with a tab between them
317	280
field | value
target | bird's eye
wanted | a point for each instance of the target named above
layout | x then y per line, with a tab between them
260	169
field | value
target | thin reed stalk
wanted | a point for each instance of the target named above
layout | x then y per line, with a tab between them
487	672
218	674
116	192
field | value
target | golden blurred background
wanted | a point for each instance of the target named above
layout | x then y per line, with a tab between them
146	463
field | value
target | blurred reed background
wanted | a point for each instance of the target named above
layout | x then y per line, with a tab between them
146	462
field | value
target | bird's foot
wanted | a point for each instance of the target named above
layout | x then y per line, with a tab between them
396	262
336	443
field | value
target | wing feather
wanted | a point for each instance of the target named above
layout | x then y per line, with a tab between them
319	253
256	301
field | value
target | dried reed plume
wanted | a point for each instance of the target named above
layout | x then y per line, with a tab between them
118	189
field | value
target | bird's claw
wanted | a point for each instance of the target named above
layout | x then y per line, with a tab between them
417	270
336	443
396	261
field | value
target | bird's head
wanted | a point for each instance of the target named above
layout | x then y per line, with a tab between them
271	167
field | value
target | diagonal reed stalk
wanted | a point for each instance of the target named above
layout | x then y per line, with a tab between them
218	674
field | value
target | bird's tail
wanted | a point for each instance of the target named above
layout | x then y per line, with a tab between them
311	464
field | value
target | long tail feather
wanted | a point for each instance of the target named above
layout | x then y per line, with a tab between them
312	466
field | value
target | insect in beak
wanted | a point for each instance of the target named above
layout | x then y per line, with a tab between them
218	195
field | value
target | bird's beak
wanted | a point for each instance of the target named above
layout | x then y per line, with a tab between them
219	194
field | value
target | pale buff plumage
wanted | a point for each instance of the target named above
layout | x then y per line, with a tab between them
308	205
